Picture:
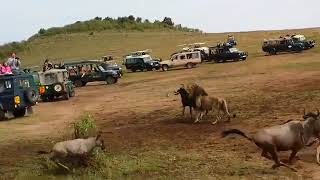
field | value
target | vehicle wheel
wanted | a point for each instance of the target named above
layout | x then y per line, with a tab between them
133	70
111	80
66	96
165	67
19	113
32	96
50	98
78	83
84	83
273	52
44	98
2	115
243	59
189	65
142	70
72	93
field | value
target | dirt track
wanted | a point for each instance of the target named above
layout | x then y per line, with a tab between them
141	112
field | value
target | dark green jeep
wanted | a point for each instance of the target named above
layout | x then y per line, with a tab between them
55	83
18	93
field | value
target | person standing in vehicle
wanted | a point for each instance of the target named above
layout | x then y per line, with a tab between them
5	69
14	62
47	65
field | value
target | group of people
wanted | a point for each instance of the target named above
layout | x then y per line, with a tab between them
11	65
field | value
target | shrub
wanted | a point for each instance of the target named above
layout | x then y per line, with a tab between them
85	126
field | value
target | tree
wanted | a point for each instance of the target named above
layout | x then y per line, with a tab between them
139	19
146	21
42	31
168	21
108	19
131	18
98	18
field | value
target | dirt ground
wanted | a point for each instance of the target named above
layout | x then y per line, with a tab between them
141	114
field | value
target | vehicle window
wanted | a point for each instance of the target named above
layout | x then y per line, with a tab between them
233	50
24	83
195	55
48	79
189	56
5	85
182	57
101	68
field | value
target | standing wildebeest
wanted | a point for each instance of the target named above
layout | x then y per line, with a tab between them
290	136
189	96
210	103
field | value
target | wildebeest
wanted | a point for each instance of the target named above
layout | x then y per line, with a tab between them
210	103
290	136
79	148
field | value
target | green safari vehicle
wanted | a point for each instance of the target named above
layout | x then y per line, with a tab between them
55	84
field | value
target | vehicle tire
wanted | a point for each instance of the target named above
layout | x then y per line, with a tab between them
111	80
72	93
133	70
243	59
44	98
19	113
32	96
78	83
189	65
2	115
142	70
165	67
273	51
84	83
66	96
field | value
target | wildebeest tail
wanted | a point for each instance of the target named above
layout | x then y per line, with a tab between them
234	131
44	152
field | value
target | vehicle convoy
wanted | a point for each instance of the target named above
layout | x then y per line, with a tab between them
18	93
141	60
225	52
55	83
182	59
284	44
83	72
308	43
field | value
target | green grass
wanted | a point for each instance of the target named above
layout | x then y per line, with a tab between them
63	47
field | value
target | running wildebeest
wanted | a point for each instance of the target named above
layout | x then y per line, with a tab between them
290	136
74	148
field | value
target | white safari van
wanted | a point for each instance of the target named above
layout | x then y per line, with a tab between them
182	59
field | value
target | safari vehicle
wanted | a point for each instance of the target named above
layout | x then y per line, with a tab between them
182	59
18	93
141	60
286	44
308	44
55	83
82	72
225	52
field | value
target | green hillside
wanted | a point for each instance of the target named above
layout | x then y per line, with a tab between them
94	43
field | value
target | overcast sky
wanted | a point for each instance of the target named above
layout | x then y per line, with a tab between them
22	18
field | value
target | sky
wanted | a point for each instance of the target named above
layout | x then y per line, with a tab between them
22	18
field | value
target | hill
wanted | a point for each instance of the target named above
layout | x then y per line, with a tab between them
87	45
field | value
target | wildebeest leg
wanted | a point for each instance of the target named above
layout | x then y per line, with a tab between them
292	155
190	108
197	116
277	164
265	154
183	109
318	154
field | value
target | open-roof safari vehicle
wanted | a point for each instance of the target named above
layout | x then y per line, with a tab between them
308	43
182	59
82	72
141	60
226	52
18	93
284	44
55	83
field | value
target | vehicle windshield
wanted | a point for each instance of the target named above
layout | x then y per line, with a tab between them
5	85
299	38
233	50
47	79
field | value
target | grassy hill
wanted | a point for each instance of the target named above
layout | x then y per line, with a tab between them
87	45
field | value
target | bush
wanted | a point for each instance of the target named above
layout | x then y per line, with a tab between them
85	127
